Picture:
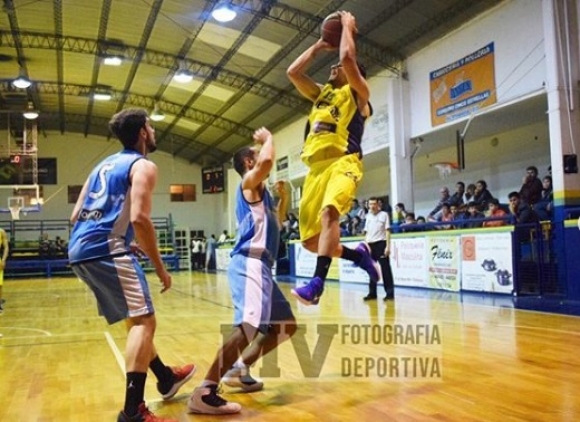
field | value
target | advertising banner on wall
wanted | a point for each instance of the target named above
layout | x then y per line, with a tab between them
463	87
487	263
305	262
409	261
348	271
443	261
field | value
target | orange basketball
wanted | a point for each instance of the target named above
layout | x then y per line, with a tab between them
331	29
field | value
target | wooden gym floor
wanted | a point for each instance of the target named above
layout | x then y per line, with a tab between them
428	356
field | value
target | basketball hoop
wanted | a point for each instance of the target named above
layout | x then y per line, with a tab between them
445	169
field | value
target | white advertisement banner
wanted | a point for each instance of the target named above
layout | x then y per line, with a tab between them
486	263
348	271
409	262
305	261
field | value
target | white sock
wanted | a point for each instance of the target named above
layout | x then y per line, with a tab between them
239	363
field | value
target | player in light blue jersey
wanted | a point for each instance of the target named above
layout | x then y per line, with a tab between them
113	207
262	317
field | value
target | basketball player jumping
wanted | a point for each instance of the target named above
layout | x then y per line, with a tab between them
332	151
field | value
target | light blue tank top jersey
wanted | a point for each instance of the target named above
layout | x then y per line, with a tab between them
258	233
103	227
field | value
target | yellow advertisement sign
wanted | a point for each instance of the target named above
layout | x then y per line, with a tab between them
463	87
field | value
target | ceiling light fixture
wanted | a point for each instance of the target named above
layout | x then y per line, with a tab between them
156	115
112	52
30	113
183	74
102	95
113	60
22	81
223	12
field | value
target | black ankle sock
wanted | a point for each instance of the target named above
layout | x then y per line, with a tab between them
163	373
134	392
322	266
351	255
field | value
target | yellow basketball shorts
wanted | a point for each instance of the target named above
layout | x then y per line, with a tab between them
331	182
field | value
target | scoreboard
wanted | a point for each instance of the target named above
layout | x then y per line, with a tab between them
212	179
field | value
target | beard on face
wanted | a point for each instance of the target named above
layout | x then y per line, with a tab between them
151	145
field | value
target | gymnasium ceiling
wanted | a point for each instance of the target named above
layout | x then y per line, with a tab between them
239	67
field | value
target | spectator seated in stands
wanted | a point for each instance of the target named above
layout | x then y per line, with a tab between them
356	210
495	211
443	199
45	246
544	207
407	225
399	214
356	227
458	214
60	246
521	212
457	198
531	190
344	228
468	196
482	195
386	207
445	216
291	221
473	213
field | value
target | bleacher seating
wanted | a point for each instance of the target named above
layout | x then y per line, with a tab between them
34	252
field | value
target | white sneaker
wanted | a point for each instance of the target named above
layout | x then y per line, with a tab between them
241	378
205	400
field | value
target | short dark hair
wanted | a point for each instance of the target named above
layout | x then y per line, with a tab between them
126	124
240	157
532	168
514	194
373	198
493	201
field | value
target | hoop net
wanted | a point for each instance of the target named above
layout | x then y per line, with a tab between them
445	169
15	204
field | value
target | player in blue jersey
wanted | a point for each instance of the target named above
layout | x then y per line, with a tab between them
114	206
262	317
332	151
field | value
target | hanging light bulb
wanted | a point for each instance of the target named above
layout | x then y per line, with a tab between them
30	113
21	81
223	12
183	74
156	115
113	60
102	95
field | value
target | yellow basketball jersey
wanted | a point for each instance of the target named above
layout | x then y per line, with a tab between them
335	126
